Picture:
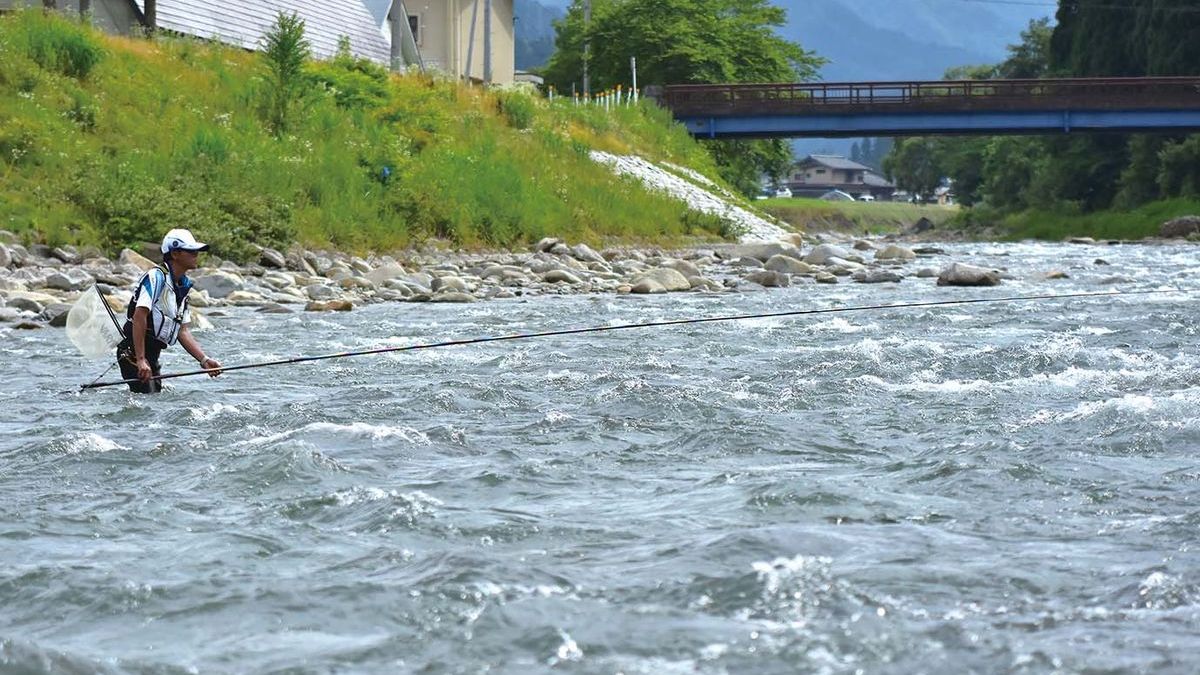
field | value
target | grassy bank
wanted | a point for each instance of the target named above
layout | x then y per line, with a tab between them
854	217
1139	223
108	141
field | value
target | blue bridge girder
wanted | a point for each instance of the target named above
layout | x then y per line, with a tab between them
930	124
978	107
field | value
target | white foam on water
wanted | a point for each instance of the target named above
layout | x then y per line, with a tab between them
213	412
375	432
91	443
1071	377
359	495
943	386
568	651
841	325
556	416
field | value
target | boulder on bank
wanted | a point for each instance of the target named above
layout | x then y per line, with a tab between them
329	306
218	283
825	253
870	276
788	265
764	252
130	257
895	252
769	279
664	277
1180	227
923	224
959	274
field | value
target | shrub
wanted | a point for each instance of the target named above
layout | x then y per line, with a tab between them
132	207
56	44
518	108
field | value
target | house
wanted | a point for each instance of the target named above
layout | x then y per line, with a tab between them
473	39
462	38
816	175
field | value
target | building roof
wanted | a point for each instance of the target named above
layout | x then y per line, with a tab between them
245	22
872	179
834	162
379	9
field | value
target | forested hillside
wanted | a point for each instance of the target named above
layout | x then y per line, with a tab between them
1076	173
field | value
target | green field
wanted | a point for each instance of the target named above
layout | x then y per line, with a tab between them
109	142
854	217
1139	223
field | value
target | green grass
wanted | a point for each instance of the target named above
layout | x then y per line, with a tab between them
1136	224
109	141
853	217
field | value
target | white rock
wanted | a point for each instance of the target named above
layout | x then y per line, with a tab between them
386	272
684	267
218	283
960	274
131	257
666	277
895	252
561	276
821	254
787	265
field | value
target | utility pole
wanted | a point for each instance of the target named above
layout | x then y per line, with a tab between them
151	15
587	46
633	69
85	6
487	41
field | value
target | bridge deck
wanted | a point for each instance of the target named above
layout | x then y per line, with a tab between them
952	106
1143	93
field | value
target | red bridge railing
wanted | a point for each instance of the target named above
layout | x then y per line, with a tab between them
1137	93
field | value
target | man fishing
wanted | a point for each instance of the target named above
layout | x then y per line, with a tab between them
158	315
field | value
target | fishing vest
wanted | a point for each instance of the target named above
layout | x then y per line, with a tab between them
168	305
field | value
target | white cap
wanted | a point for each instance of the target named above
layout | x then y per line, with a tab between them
181	240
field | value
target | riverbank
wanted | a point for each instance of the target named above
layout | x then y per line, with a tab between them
853	218
38	284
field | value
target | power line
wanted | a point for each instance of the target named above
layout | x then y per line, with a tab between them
1181	9
650	324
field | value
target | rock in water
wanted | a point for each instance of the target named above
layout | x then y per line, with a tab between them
959	274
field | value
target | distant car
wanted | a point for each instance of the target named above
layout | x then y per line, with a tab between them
783	193
837	196
866	198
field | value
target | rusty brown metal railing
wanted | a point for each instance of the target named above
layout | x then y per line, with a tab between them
1127	93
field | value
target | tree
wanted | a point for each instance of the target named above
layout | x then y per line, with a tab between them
914	165
1029	58
680	42
285	52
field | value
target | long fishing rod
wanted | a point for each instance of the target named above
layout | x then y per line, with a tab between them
649	324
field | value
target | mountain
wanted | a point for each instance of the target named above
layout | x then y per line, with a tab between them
863	39
535	31
867	40
904	39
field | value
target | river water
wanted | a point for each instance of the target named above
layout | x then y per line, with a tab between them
980	488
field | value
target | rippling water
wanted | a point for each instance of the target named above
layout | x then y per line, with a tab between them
980	488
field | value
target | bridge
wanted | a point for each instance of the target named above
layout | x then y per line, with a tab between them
982	107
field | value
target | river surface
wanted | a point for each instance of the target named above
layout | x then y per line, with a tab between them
985	488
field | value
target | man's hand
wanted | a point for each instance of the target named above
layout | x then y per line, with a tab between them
144	371
212	365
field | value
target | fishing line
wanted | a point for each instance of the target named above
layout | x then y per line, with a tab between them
649	324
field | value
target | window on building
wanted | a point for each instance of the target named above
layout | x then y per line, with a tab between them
820	171
414	24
